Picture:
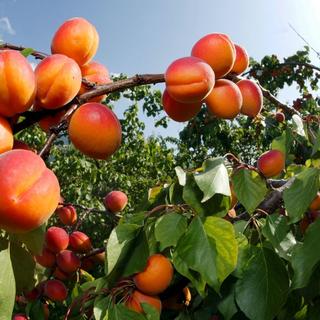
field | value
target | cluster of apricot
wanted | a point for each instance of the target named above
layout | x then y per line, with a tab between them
191	81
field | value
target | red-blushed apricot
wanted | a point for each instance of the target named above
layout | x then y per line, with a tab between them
156	276
29	191
67	215
55	290
115	201
271	163
18	84
315	204
95	130
137	297
99	257
80	242
280	117
77	38
19	316
97	73
178	111
225	100
241	62
218	51
68	261
47	258
252	99
6	135
18	144
56	239
60	275
58	81
189	80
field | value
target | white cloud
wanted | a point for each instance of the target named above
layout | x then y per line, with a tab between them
6	26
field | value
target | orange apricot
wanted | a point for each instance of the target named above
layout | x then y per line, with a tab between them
67	215
189	80
47	258
178	111
137	297
80	242
29	191
218	51
242	60
55	290
115	201
156	276
252	99
76	38
18	84
56	239
58	81
95	130
6	135
225	100
315	204
97	73
271	163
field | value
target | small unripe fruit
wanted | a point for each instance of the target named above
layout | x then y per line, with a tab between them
56	239
115	201
80	242
68	261
47	258
55	290
67	215
280	117
271	163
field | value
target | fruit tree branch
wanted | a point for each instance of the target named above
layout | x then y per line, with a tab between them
36	54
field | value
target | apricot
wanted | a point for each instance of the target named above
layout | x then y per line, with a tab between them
6	135
280	117
252	98
137	297
95	130
67	215
19	316
77	38
156	276
18	84
60	275
115	201
55	290
189	80
58	81
271	163
97	73
315	204
47	258
80	242
225	100
56	239
68	261
218	51
178	111
99	257
51	121
29	191
241	62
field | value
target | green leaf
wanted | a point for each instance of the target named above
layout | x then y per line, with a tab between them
305	256
169	228
100	306
181	175
283	142
249	188
227	305
316	146
214	179
37	311
7	285
27	51
299	195
277	231
121	312
263	289
150	311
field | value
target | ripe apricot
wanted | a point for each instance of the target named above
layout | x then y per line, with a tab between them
80	242
315	204
178	111
18	84
19	316
29	191
68	261
6	135
137	297
271	163
60	275
252	99
67	215
95	130
218	51
189	80
99	257
56	239
115	201
241	62
225	100
156	276
55	290
77	38
58	81
97	73
51	121
47	258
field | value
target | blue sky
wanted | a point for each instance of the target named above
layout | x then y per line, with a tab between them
145	36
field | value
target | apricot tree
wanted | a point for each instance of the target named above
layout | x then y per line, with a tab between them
223	238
